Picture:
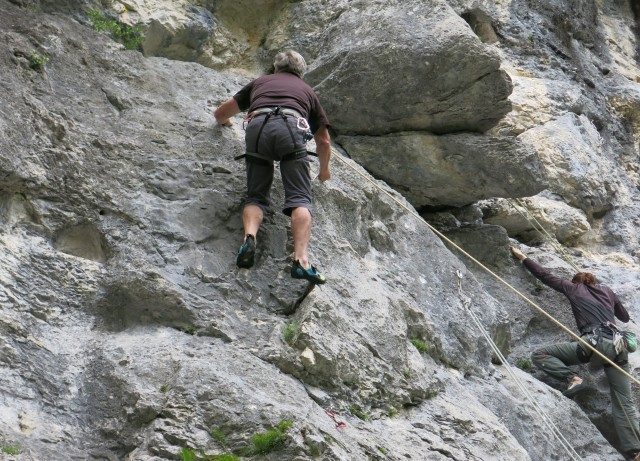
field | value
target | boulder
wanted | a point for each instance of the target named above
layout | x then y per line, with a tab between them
423	68
453	170
570	150
535	217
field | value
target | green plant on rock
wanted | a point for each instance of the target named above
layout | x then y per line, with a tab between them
218	436
10	449
187	454
431	394
524	364
358	412
225	457
272	440
290	332
37	60
420	345
129	36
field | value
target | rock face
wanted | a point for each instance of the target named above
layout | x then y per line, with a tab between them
449	170
127	332
424	70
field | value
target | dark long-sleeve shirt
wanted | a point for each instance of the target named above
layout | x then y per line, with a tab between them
591	304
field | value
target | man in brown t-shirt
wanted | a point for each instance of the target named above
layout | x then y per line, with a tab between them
283	109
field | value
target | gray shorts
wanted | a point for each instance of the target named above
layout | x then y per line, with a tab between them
275	142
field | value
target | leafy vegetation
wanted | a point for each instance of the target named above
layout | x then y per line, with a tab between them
37	60
10	449
187	454
420	345
129	36
218	436
358	412
290	332
272	440
524	364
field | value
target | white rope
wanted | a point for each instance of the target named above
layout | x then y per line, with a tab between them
540	228
466	301
486	269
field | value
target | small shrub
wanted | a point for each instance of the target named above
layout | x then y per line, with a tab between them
290	331
129	36
225	457
189	330
431	394
407	373
524	364
383	450
420	345
11	449
187	454
37	60
358	412
272	440
218	436
164	388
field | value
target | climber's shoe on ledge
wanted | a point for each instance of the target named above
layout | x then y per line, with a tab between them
575	386
247	253
311	274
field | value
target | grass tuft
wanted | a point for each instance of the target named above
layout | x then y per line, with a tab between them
290	332
129	36
272	440
524	364
37	60
420	345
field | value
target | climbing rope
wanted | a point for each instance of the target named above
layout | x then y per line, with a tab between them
556	245
466	302
485	268
541	229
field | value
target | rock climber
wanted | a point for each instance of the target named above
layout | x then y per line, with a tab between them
594	307
283	114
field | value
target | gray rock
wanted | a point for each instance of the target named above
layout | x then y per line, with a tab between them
565	146
423	67
127	332
537	218
453	170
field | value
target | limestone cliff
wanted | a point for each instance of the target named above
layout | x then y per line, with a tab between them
127	332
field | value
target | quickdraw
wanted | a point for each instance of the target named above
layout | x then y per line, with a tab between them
333	416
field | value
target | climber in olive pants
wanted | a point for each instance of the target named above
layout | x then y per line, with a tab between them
556	360
595	308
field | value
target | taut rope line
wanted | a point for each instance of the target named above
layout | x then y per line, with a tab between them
466	302
540	228
485	268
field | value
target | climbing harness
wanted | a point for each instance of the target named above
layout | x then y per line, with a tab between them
299	150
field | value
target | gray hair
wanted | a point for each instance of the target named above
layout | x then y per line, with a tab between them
290	61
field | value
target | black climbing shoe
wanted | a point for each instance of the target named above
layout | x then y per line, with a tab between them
574	388
311	274
247	253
